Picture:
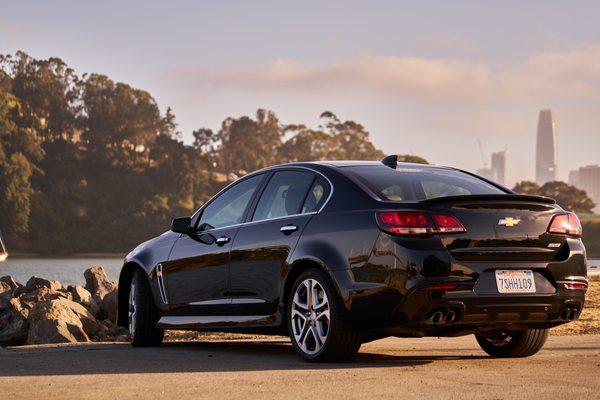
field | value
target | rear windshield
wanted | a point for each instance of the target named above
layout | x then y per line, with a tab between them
414	183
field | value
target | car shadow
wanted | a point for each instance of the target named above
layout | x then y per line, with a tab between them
173	357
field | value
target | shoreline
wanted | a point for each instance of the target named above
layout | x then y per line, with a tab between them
69	256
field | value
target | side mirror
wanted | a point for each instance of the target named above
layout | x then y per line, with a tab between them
181	225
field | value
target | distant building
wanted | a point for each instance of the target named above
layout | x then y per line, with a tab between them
497	172
499	166
545	156
588	179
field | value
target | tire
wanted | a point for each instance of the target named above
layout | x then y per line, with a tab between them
144	316
506	344
328	337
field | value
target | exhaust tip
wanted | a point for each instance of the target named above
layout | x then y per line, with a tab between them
437	317
450	316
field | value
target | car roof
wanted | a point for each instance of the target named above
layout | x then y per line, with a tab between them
358	163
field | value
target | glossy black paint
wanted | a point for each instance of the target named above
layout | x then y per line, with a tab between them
380	277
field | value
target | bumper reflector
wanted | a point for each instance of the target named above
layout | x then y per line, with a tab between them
575	285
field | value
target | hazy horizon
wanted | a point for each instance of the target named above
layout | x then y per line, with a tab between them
424	79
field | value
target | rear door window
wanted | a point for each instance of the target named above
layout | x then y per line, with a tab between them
317	195
284	195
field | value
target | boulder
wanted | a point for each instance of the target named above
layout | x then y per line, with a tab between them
108	308
98	284
113	332
10	282
56	321
14	323
5	291
82	296
43	293
36	283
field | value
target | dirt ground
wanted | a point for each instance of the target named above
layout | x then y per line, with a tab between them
429	368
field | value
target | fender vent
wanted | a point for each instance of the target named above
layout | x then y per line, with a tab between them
161	284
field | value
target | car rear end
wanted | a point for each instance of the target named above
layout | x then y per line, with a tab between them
459	253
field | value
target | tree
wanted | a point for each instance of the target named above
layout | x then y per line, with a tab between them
248	144
527	187
567	196
307	144
409	158
352	139
15	192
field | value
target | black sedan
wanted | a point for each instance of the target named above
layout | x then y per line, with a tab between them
337	254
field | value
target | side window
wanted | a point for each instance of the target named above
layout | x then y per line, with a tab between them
283	195
228	208
317	195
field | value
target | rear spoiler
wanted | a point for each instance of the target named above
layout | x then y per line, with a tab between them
490	197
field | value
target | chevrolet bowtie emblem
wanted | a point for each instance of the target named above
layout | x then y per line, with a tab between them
509	221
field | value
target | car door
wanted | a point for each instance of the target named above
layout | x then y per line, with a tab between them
262	245
197	273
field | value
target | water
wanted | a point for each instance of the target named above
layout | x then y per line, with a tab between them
69	271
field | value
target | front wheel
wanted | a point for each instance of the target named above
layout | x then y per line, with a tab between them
504	343
317	327
142	314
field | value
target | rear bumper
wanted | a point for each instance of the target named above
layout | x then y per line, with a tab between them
390	296
463	309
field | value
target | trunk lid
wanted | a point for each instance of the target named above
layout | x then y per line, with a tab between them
502	228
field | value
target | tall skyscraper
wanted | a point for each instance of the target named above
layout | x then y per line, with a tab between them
545	157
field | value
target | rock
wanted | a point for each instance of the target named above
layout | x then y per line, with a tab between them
43	293
98	284
10	282
36	282
82	296
5	291
108	308
56	321
113	332
14	323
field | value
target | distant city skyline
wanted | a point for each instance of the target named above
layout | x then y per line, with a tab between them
424	78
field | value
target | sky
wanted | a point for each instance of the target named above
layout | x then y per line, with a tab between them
429	78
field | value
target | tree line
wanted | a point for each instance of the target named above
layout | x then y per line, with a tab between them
91	165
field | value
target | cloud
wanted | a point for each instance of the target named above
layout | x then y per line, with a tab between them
575	73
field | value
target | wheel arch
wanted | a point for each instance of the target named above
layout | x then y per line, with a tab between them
125	278
295	270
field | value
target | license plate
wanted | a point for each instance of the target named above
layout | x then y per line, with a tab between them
515	281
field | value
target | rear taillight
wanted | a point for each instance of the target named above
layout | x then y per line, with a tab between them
448	223
566	224
410	223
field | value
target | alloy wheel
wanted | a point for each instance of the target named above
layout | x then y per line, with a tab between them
310	316
132	309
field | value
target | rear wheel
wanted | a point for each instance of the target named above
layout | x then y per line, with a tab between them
504	343
317	327
142	314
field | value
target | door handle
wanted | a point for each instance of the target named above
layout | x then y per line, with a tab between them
288	229
222	240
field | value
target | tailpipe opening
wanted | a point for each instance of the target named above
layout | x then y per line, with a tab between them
450	316
437	317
